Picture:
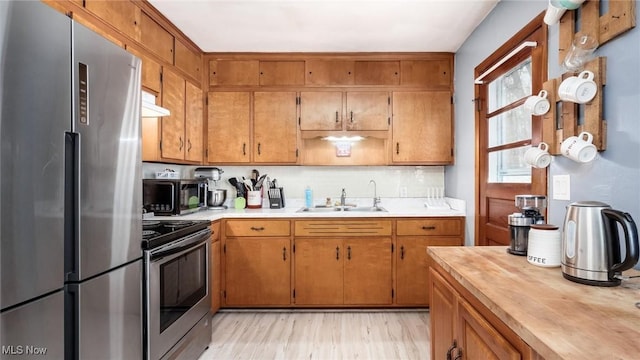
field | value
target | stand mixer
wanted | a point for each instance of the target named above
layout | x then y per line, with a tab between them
215	197
532	210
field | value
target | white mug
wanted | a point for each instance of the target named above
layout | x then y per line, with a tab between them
254	199
539	156
537	104
579	148
578	89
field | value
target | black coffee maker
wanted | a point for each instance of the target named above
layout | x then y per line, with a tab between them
532	212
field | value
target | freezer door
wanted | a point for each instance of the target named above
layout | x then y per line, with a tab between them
34	330
109	314
107	123
35	112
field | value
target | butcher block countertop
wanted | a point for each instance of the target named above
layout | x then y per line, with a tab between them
558	318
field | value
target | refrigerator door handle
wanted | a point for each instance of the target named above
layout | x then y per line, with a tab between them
71	206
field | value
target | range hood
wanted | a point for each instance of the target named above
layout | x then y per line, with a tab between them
149	107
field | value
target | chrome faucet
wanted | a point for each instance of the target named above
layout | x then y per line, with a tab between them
376	198
343	198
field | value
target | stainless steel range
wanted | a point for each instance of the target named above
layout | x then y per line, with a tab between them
176	290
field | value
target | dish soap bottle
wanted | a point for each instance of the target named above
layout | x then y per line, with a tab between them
308	197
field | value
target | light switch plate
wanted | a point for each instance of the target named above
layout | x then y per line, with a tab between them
561	187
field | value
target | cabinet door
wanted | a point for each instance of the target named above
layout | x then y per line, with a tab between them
258	271
156	38
367	271
173	141
412	268
281	73
478	339
368	110
275	127
194	122
377	72
228	127
318	272
442	312
122	15
321	110
215	276
422	127
329	72
188	59
234	72
433	73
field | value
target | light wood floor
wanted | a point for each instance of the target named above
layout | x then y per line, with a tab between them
319	335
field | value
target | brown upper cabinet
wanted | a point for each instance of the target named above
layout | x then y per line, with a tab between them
234	72
188	60
124	16
426	73
368	110
422	127
377	72
321	110
156	39
229	126
274	127
281	73
329	72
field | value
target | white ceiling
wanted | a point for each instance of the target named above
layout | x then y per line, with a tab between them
326	26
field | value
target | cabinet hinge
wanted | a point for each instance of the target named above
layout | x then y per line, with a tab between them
294	293
224	248
224	293
206	101
160	145
393	294
296	153
389	100
299	121
206	153
478	102
389	121
451	151
391	247
161	78
452	99
294	248
298	100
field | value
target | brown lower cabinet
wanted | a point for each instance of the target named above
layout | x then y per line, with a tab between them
363	262
459	330
343	271
215	268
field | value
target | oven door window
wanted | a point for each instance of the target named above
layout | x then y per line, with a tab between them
182	285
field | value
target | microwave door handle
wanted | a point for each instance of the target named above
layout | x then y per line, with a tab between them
187	243
173	198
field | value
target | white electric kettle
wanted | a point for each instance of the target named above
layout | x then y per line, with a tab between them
591	243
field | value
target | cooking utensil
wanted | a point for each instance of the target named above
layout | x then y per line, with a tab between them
248	183
260	181
591	244
255	174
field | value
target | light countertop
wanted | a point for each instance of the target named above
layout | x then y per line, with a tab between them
558	318
396	207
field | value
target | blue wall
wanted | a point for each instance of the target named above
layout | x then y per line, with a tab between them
613	177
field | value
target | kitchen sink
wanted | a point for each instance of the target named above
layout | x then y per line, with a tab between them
340	208
366	209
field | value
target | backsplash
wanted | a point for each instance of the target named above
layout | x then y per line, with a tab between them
328	181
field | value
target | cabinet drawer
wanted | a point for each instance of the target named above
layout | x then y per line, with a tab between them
343	227
439	227
257	227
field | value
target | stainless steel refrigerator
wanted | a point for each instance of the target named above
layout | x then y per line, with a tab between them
70	181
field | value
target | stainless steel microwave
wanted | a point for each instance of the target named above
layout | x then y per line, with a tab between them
174	197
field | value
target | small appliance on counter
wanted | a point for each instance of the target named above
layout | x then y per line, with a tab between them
215	197
591	243
532	209
173	197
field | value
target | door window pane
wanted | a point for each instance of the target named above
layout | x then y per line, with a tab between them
508	127
508	166
510	87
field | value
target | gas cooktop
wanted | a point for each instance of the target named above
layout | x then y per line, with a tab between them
159	232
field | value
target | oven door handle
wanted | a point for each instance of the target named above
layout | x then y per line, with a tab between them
188	242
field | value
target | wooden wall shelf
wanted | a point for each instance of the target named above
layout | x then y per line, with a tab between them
566	119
